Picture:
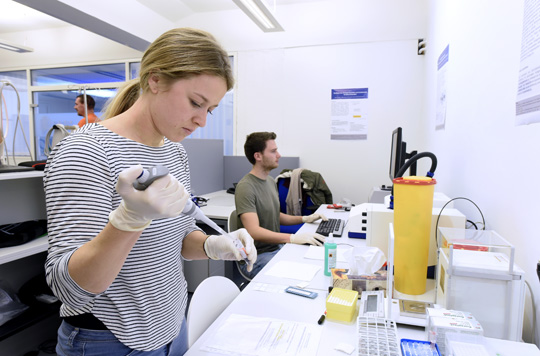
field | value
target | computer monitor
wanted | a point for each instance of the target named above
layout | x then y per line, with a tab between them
399	155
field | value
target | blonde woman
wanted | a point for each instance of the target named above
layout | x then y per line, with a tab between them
115	253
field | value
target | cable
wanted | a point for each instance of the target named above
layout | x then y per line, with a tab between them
534	313
439	216
18	121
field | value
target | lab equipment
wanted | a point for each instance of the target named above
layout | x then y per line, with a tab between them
476	266
372	304
148	176
413	205
341	304
377	336
419	348
370	221
301	292
334	226
330	255
465	345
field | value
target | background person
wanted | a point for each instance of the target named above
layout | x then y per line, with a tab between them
79	107
115	253
257	203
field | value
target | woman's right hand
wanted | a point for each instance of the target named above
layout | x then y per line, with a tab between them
164	198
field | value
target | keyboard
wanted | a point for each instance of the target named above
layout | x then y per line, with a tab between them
334	226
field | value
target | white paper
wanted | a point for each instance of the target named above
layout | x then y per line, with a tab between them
245	335
293	270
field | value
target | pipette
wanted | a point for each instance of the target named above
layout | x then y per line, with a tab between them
146	178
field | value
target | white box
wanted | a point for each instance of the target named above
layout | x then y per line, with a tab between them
480	276
444	325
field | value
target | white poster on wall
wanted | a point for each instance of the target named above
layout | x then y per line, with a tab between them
442	75
528	95
349	114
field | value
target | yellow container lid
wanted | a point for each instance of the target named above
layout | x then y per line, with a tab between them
341	304
416	180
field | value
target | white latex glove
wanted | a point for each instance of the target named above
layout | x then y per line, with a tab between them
307	238
221	247
313	217
164	198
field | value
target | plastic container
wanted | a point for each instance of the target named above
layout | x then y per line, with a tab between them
413	205
341	304
330	255
418	348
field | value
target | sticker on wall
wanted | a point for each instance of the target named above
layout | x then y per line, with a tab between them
349	114
528	92
442	75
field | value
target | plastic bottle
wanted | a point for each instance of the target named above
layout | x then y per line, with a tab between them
330	254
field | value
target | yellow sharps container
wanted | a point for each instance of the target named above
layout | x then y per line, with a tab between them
413	205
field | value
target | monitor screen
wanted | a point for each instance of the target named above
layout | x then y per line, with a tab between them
398	154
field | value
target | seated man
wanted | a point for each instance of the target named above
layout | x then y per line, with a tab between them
257	203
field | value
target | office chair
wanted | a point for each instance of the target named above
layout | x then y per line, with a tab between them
209	300
307	204
232	225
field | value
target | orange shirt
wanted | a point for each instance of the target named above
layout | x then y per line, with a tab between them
91	118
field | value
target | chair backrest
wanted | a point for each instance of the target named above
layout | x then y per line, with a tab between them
209	300
232	223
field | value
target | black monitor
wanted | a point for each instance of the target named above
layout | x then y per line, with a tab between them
399	155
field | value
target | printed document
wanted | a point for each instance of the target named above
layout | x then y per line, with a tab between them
245	335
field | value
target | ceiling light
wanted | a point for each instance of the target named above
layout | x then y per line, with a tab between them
14	47
260	14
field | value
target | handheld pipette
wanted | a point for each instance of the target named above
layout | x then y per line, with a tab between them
148	176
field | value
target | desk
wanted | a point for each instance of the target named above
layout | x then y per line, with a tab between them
219	206
286	306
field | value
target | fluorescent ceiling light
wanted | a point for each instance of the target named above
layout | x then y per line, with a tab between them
260	14
14	47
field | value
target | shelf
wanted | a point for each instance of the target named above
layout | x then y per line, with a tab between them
28	318
8	254
19	175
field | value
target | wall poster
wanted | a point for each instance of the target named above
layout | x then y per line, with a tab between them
349	114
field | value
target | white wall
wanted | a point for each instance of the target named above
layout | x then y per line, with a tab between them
288	91
482	154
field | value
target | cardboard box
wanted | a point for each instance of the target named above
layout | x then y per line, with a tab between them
364	282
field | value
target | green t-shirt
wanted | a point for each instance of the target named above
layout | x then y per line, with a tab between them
255	195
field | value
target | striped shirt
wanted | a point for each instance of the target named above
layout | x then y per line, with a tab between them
145	305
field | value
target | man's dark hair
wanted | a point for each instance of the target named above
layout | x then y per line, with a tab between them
91	102
256	142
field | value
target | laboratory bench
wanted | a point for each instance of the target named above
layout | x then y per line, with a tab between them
263	297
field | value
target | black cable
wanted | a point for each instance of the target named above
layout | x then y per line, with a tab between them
473	224
439	216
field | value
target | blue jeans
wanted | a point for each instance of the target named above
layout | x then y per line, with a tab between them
77	342
262	260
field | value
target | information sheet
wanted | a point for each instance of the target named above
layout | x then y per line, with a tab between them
442	75
349	114
528	95
245	335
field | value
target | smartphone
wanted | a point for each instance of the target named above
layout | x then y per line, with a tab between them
301	292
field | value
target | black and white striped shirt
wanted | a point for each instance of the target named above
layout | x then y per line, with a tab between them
145	305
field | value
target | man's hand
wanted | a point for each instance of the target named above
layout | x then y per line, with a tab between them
313	217
307	238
